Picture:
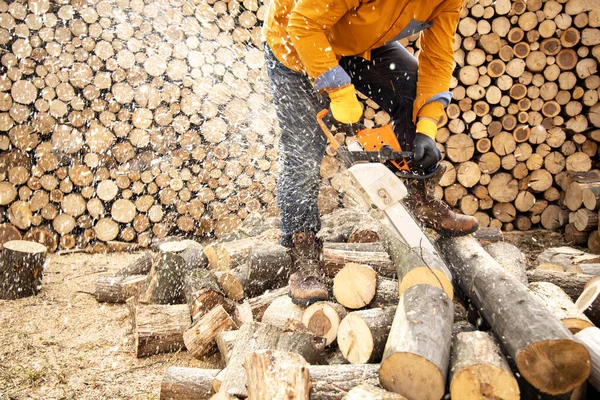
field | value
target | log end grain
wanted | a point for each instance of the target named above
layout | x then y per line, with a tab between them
412	376
428	276
355	339
554	366
484	381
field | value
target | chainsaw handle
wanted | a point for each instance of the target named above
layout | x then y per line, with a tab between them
322	114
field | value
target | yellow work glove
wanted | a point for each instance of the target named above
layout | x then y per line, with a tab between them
425	151
344	105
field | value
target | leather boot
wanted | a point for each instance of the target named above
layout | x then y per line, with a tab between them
435	213
306	279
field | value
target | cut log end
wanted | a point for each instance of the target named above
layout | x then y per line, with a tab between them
354	286
355	339
428	276
484	382
554	366
412	376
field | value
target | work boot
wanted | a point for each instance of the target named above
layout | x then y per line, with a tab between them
435	213
306	279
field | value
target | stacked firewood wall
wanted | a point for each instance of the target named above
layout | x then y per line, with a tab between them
524	122
131	119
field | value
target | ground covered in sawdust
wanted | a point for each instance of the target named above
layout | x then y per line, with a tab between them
62	344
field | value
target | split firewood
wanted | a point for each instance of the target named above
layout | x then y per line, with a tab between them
362	334
267	267
355	285
323	319
276	374
366	391
479	369
187	383
253	309
202	293
117	289
258	336
199	339
225	341
589	301
158	328
561	306
418	346
540	344
327	382
510	258
21	269
590	338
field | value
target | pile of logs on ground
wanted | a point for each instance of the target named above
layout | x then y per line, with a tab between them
395	326
130	120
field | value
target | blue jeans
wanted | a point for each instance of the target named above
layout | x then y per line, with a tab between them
389	79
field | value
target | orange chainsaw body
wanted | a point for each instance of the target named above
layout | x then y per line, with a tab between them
370	139
375	138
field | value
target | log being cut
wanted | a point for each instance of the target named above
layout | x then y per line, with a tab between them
541	346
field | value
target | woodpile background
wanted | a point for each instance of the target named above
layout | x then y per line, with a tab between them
130	120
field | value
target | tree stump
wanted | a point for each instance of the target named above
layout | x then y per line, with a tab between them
21	269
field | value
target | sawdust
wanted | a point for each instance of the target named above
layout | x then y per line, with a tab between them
62	344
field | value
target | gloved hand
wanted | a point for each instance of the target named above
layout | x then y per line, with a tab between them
344	105
426	153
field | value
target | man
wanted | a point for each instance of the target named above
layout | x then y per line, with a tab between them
317	53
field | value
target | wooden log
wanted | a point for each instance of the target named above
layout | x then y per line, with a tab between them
182	383
561	305
355	285
591	197
588	301
540	345
202	293
281	311
335	259
323	319
574	236
8	232
386	294
276	374
21	269
365	391
571	283
585	220
479	369
158	328
164	284
362	334
329	382
510	258
117	289
256	306
225	341
267	268
418	345
199	339
590	338
566	256
140	266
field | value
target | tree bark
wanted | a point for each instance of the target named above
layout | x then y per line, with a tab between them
541	346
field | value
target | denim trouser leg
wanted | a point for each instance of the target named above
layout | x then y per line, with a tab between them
389	78
301	149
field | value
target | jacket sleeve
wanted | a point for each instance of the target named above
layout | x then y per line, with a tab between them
435	64
309	20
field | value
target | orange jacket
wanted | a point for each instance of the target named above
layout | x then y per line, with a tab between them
311	35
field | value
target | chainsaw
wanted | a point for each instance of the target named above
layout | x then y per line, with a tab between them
365	157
